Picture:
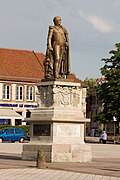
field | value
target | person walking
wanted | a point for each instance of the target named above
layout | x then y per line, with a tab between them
103	138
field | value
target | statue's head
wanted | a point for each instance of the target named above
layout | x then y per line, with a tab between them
57	20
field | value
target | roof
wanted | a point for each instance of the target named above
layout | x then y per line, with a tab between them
21	65
25	65
74	79
7	113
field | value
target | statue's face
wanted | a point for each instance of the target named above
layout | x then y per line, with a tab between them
57	21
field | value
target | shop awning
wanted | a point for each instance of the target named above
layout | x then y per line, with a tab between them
7	113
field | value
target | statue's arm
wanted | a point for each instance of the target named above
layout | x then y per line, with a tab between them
49	39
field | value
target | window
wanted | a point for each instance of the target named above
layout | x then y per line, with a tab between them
19	93
18	122
10	131
18	131
28	114
29	94
6	92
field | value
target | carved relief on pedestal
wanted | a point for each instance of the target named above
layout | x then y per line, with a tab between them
64	96
44	96
76	97
58	96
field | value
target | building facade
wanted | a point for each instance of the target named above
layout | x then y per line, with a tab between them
20	72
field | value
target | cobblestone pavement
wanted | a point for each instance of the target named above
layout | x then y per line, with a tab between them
47	174
12	167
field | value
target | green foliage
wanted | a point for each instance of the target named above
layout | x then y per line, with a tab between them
100	117
109	91
4	126
26	128
91	82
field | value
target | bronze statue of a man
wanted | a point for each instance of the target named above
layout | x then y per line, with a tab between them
57	62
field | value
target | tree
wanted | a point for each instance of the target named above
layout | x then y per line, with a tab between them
109	91
91	99
91	82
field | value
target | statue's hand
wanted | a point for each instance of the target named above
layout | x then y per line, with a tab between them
50	48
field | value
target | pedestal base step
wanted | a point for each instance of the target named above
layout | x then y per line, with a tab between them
58	152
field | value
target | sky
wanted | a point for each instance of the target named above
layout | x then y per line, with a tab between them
93	27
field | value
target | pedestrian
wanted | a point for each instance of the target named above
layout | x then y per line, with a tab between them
103	138
92	132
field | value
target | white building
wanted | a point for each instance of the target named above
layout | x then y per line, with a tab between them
20	71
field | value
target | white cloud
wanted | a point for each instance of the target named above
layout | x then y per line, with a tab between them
98	23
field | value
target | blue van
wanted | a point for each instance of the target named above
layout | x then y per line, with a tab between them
12	135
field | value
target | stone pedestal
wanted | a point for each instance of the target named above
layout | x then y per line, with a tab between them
57	125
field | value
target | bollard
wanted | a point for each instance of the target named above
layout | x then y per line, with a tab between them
41	159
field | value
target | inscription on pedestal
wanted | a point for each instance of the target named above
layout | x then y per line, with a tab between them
68	130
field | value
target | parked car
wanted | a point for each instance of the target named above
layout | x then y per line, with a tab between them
12	135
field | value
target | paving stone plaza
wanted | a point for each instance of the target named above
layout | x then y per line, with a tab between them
45	174
103	167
